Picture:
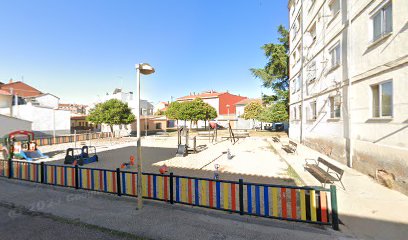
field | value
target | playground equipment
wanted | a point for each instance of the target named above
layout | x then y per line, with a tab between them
212	133
128	164
216	173
20	145
80	156
183	149
163	169
235	136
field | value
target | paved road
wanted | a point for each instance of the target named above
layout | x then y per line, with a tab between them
156	221
18	224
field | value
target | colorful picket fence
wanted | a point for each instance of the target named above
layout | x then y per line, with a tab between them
293	203
4	168
70	138
217	194
26	171
287	202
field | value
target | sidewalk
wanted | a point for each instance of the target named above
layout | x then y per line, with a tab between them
157	220
367	209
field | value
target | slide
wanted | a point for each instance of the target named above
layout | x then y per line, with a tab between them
181	151
32	155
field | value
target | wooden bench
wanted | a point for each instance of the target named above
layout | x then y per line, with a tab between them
291	147
276	139
324	171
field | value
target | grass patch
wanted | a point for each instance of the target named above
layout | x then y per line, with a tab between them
290	171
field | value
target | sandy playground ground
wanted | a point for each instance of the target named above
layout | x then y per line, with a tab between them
253	158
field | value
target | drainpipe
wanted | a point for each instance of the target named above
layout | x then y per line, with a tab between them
350	146
301	72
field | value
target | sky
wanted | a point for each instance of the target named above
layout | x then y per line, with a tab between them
80	50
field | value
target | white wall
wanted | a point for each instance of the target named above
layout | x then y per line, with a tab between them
214	102
239	110
48	100
42	118
5	101
10	124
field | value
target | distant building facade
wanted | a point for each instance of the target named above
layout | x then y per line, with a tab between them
223	102
348	82
41	109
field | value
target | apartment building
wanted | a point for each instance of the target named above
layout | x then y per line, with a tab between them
348	82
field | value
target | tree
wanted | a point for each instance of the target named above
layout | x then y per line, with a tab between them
275	74
275	113
253	111
173	111
203	111
192	111
111	112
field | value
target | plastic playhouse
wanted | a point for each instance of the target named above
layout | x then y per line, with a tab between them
80	156
21	145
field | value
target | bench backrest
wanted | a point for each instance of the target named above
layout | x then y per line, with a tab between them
331	166
292	143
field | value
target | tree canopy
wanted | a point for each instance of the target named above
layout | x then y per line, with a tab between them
111	112
275	74
253	110
274	113
191	110
173	111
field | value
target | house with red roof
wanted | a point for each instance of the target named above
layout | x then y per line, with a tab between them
223	102
22	101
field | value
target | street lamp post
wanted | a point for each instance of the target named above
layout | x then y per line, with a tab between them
229	122
228	106
141	68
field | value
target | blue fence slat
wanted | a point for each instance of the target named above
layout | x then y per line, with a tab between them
257	200
196	194
80	178
105	184
177	189
124	183
266	201
249	198
218	191
154	186
92	179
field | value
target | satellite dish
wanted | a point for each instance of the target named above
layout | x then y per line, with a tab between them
307	39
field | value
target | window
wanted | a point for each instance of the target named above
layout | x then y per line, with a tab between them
158	126
313	110
294	113
299	50
334	6
382	99
312	31
335	106
298	83
311	71
300	111
335	55
294	57
382	22
293	87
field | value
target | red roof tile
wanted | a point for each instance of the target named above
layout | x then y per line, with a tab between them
248	100
2	92
202	95
21	89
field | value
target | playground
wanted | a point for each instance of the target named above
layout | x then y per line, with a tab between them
249	158
212	154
